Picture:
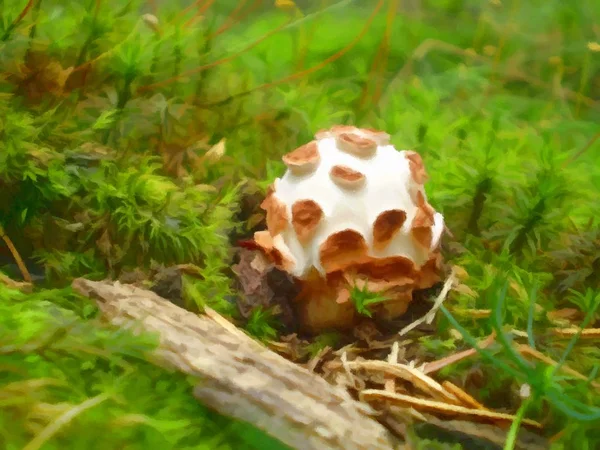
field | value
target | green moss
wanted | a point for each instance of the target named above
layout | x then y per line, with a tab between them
57	360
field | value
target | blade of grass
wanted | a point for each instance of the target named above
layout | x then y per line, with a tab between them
532	303
17	20
487	355
511	438
575	338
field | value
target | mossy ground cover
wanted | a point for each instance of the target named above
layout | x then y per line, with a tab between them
137	133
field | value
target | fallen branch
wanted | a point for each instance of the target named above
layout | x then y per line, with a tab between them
239	377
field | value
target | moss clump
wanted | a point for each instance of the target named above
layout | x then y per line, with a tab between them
68	381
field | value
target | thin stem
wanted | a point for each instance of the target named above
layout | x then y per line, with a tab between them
16	255
16	22
487	355
380	60
586	321
310	36
232	18
124	97
33	31
532	300
583	150
511	438
535	216
585	69
206	48
63	420
496	321
481	192
110	52
178	55
91	37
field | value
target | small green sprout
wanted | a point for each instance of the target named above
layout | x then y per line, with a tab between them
362	298
263	324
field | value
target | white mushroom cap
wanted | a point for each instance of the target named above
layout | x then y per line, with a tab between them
349	198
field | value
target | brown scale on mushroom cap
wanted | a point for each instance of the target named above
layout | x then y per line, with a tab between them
343	249
374	285
397	269
304	159
277	216
265	241
355	145
306	216
430	272
334	131
381	137
422	222
423	217
393	277
423	236
387	224
338	129
417	169
347	177
424	205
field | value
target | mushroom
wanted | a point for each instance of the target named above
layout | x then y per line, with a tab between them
351	210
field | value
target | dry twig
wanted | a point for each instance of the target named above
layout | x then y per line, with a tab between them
439	408
450	282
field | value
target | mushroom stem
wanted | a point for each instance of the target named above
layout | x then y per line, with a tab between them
325	303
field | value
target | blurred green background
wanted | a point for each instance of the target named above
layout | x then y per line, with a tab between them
143	133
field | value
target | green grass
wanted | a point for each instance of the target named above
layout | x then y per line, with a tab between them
110	159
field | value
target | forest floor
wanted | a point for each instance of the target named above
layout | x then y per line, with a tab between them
138	140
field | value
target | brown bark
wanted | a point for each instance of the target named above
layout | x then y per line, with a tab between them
241	378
